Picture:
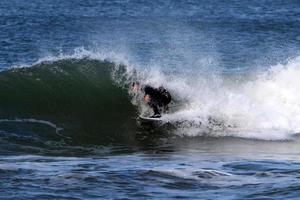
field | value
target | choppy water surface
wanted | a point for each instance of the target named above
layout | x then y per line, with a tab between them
68	121
205	168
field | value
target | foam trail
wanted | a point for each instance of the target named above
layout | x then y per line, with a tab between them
36	121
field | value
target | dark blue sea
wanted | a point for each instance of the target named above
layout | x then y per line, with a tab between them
69	121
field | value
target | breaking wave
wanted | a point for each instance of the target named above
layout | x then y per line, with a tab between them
87	95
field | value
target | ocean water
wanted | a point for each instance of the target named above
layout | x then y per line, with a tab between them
69	126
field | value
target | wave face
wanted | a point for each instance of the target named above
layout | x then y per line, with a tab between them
75	98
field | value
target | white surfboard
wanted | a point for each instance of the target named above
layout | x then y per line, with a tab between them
149	119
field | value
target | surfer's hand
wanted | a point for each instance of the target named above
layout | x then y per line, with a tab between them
147	98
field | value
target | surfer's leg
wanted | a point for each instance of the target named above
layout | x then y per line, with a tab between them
165	102
154	106
166	108
155	109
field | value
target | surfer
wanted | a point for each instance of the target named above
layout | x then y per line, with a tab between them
155	97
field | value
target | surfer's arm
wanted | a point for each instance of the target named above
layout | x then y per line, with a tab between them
147	98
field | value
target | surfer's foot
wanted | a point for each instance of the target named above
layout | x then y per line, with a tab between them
156	116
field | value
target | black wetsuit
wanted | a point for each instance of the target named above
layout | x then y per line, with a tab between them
160	97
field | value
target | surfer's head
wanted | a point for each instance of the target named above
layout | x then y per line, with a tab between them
135	86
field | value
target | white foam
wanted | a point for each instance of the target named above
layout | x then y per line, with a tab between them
267	107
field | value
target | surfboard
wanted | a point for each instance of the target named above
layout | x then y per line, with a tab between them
149	119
